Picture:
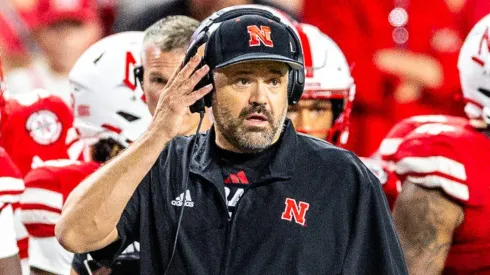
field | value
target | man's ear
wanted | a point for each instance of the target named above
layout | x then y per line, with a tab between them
201	49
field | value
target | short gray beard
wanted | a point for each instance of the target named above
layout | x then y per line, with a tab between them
248	141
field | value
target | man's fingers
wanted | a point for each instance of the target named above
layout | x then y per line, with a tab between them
195	78
194	96
186	72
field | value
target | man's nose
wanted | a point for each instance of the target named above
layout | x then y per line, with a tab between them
259	94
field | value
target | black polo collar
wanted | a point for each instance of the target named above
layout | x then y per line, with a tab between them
204	160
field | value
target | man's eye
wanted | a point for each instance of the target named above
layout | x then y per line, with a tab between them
158	80
275	82
242	81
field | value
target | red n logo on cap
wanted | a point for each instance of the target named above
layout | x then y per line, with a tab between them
257	36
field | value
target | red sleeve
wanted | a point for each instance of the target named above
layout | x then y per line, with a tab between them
339	20
41	202
430	158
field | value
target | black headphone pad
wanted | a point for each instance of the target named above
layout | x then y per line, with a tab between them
295	86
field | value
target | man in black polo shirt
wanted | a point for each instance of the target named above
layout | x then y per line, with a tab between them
258	197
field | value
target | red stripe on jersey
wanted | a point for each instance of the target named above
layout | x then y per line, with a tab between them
10	193
23	245
40	230
306	51
35	206
16	205
47	185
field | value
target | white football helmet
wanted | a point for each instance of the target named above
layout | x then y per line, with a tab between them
108	102
328	77
474	71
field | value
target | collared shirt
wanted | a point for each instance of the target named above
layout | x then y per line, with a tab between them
316	210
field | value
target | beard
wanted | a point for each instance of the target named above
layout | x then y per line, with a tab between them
248	139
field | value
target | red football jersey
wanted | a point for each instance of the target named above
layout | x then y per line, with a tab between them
11	183
34	126
47	188
453	156
391	143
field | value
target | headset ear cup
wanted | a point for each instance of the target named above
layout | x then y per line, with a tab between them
208	99
295	86
291	81
298	84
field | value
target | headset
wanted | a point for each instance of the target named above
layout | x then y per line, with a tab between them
138	73
296	79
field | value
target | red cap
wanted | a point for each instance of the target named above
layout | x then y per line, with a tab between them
52	11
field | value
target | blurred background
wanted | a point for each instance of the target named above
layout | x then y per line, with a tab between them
402	53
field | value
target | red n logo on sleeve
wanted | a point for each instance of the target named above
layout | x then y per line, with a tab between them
258	36
296	210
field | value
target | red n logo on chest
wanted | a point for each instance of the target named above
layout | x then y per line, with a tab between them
296	210
257	36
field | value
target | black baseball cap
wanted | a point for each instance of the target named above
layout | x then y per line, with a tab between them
251	38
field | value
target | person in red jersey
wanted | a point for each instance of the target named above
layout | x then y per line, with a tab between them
11	186
396	136
61	31
109	114
325	106
403	58
34	128
442	212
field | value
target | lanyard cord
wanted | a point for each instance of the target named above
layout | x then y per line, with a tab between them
186	181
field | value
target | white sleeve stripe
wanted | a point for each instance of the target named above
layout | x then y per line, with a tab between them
40	216
11	184
453	188
389	146
42	196
10	198
426	165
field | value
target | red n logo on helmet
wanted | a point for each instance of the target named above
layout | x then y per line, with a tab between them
484	38
298	211
260	35
130	62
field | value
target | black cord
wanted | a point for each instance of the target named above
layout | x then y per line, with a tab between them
186	181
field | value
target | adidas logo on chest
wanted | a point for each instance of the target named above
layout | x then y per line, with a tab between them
180	200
